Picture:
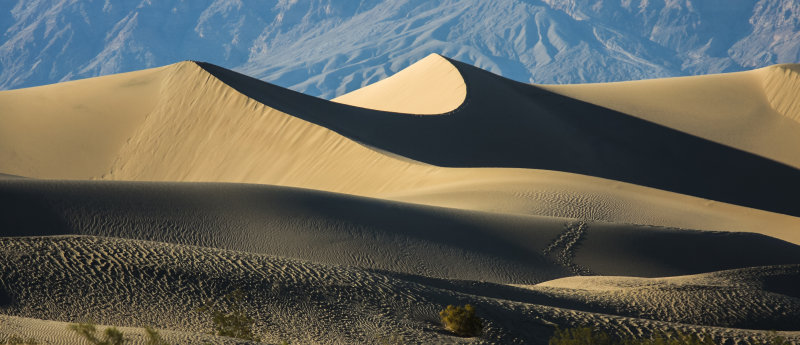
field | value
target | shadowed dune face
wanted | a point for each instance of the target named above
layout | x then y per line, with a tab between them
373	233
508	124
304	302
402	214
754	111
201	129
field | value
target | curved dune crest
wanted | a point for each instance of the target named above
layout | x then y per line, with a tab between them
277	148
430	86
399	215
199	129
507	124
745	110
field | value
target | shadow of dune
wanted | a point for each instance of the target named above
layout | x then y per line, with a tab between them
503	123
364	232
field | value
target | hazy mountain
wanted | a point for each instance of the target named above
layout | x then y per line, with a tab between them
327	47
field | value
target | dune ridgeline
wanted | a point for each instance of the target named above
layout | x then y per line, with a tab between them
130	200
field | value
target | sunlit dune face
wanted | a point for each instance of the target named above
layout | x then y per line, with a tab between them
429	87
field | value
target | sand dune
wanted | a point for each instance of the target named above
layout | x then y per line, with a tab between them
188	135
431	86
543	130
755	298
74	129
372	233
129	199
293	300
755	111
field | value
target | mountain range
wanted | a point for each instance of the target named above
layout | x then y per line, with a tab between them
327	48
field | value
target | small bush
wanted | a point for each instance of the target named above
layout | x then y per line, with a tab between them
88	330
230	320
461	320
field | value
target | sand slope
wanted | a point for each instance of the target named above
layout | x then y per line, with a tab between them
431	86
129	199
138	283
188	135
372	233
73	129
760	298
543	130
755	111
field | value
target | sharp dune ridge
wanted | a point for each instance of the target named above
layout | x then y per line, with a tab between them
538	132
431	86
755	111
355	220
187	136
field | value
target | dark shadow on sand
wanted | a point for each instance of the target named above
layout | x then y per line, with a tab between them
504	123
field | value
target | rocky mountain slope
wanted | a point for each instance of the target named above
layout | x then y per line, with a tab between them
327	48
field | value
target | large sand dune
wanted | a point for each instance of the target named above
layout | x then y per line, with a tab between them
441	184
201	129
756	111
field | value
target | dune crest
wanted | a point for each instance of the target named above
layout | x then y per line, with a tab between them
428	87
74	129
745	110
782	86
193	127
400	215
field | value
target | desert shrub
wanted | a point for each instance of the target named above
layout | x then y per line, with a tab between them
461	320
112	336
229	317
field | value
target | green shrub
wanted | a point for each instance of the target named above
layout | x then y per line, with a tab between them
461	320
229	318
88	330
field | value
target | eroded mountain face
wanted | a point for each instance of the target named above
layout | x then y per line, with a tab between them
326	48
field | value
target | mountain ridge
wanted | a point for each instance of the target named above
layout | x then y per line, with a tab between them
319	46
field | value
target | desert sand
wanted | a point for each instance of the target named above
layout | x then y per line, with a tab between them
632	207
